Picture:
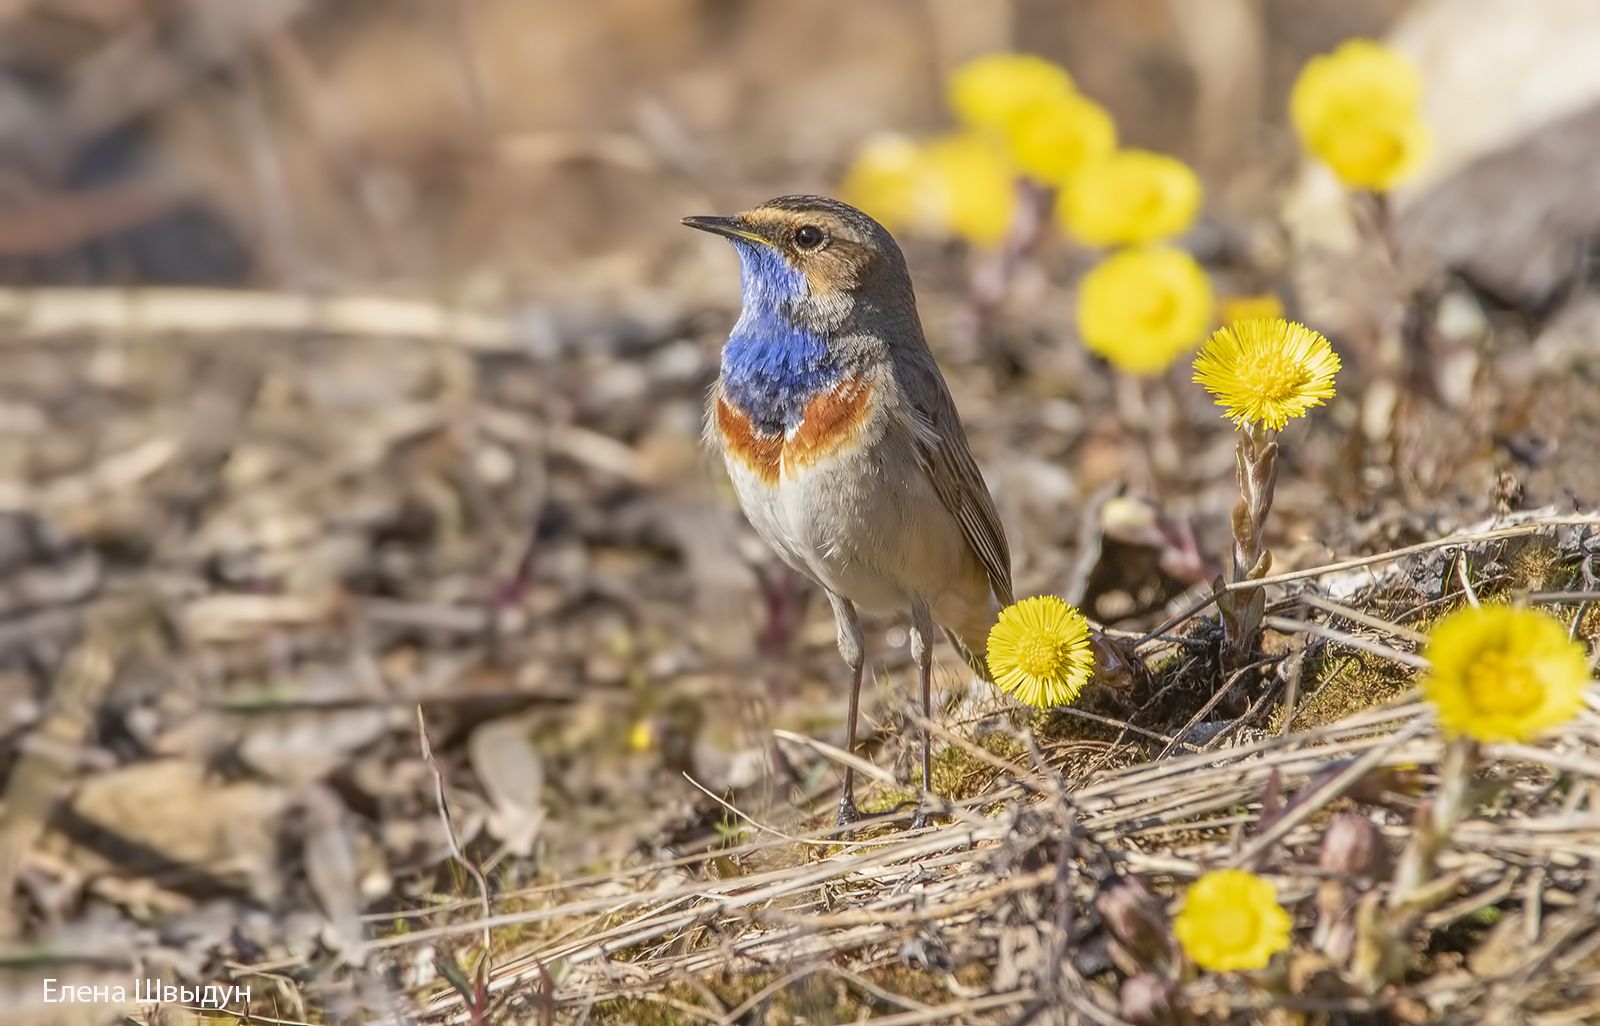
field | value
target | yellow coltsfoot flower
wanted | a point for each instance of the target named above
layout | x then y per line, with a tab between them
1244	308
1054	140
642	737
1267	371
1501	673
1360	74
1374	151
1359	111
1129	198
961	184
884	179
1143	308
1039	651
994	91
1231	920
968	187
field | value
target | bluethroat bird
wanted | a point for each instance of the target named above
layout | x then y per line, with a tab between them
843	443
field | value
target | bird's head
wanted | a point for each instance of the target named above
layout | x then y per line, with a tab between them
812	260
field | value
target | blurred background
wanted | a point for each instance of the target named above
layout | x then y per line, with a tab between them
352	359
504	152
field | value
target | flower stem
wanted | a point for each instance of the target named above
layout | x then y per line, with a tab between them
1257	472
991	276
1435	822
1382	949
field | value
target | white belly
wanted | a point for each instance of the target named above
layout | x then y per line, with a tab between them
865	524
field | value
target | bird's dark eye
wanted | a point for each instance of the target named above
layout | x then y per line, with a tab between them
808	236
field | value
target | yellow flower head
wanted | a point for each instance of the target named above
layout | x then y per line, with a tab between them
1143	308
1231	919
1360	75
1243	308
1129	198
883	179
1375	151
1054	139
1267	370
1504	674
1358	110
968	188
1039	651
991	92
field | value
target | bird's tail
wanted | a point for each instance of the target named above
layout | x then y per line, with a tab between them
971	654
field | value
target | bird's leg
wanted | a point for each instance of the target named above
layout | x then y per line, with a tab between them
922	652
848	813
850	648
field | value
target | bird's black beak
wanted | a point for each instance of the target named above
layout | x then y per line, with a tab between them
731	227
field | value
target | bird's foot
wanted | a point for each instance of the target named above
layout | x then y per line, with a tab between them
921	819
848	813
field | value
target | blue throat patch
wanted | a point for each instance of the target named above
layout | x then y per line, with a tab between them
771	366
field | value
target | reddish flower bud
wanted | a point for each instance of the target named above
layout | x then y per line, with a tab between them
1353	848
1146	1000
1136	919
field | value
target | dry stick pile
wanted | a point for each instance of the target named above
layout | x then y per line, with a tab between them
992	887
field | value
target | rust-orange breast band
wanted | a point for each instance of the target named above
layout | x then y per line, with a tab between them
830	421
